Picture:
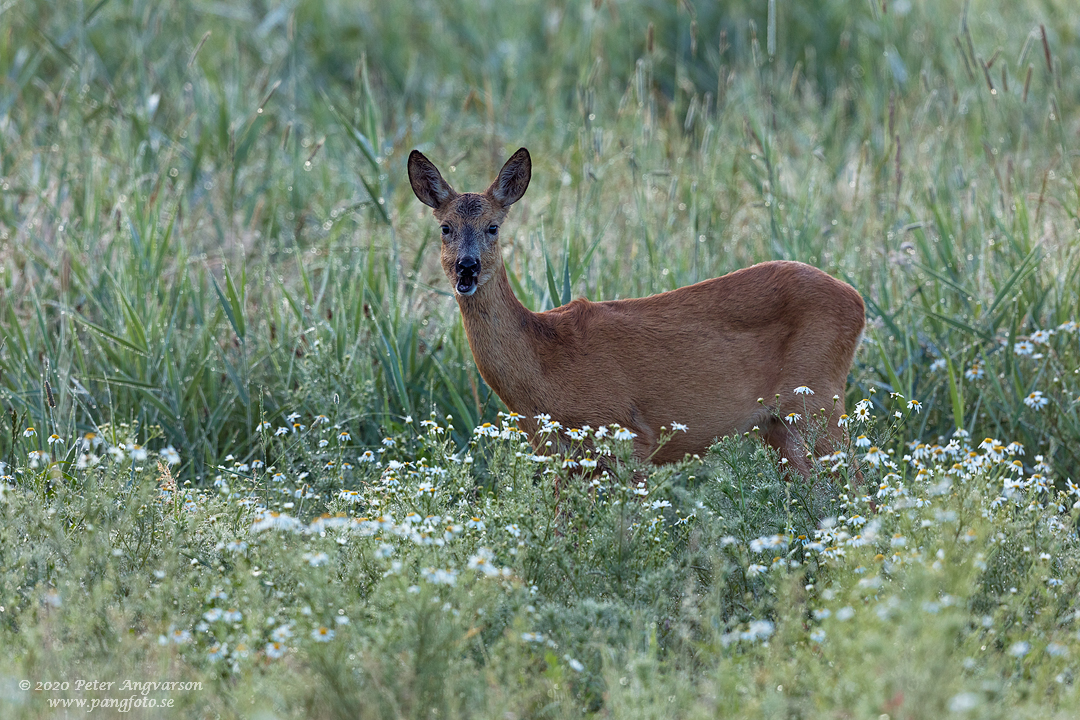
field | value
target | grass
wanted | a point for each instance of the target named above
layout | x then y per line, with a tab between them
207	244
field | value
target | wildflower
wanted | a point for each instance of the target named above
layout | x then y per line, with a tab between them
1024	347
322	634
532	637
975	372
29	432
181	637
622	433
1020	649
575	665
845	613
316	559
1041	337
438	576
768	542
281	431
678	427
482	561
575	434
264	425
938	365
758	630
1036	401
844	421
862	441
54	438
588	463
803	390
793	418
914	405
1069	327
755	569
862	410
389	442
274	650
170	456
232	615
217	652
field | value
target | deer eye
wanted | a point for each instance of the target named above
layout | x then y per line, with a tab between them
493	229
445	230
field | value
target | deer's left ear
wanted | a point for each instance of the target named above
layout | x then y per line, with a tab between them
513	179
427	182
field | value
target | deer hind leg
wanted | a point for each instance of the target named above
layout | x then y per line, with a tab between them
789	442
834	438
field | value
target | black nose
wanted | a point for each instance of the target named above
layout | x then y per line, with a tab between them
468	266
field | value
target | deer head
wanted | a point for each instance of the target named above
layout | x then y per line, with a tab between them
470	222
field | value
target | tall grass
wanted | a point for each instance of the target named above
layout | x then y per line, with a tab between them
142	158
206	236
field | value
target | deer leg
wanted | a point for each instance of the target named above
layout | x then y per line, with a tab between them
789	443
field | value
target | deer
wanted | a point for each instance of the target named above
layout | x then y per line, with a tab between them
720	357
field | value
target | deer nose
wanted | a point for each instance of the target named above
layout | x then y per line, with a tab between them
468	266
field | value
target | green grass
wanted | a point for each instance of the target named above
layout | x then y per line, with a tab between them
205	225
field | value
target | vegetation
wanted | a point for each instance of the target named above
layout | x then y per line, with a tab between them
246	449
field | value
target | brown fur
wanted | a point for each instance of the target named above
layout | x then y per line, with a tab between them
701	355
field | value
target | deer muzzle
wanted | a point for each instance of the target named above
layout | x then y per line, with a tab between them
468	270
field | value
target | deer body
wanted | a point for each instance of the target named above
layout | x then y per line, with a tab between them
701	355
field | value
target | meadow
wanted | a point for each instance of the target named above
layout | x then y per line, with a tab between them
247	465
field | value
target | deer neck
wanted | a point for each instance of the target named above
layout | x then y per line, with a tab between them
503	337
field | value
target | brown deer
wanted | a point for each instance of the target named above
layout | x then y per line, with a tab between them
704	355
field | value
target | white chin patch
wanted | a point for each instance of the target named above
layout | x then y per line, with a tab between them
466	293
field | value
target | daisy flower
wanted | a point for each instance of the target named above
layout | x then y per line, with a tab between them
1036	400
1024	347
1041	337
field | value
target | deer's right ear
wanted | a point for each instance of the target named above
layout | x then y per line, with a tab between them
513	179
427	182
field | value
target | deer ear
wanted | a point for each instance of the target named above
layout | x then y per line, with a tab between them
427	182
513	179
